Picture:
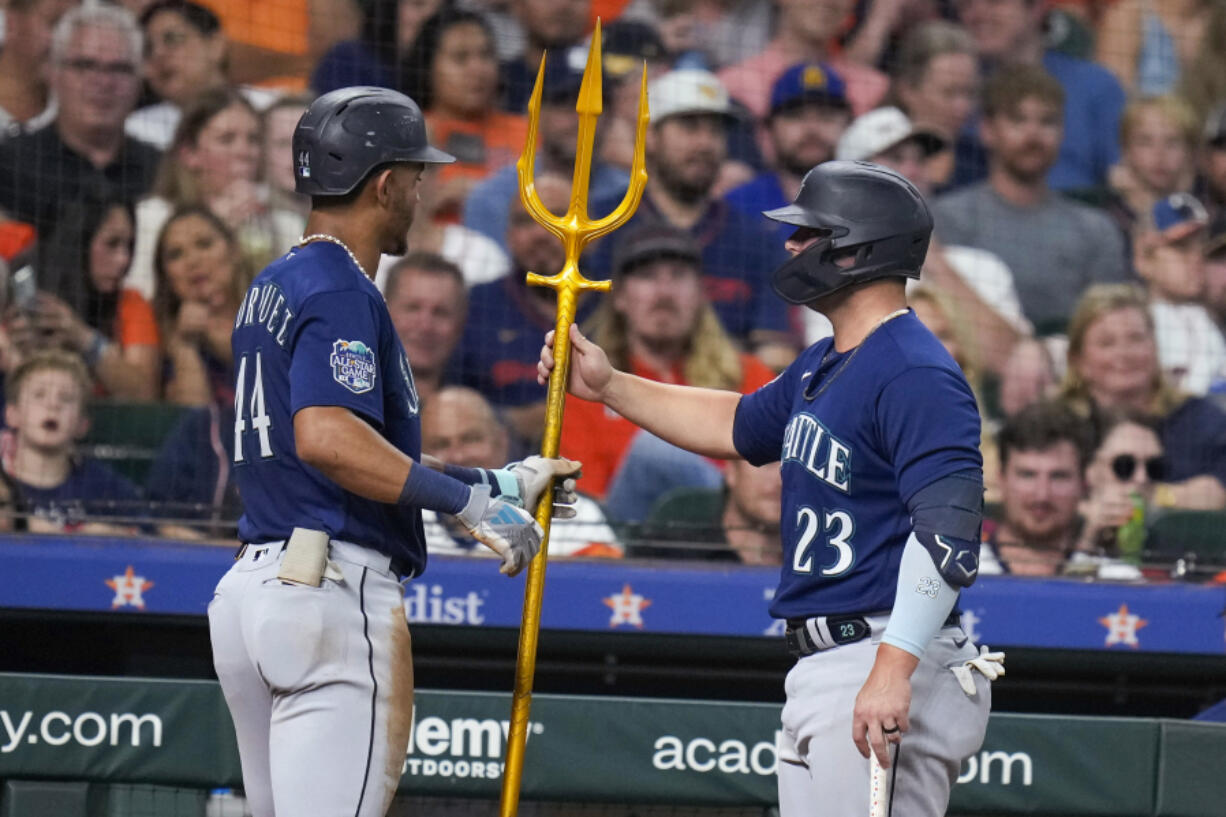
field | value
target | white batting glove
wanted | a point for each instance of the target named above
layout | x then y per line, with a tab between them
503	528
990	665
531	477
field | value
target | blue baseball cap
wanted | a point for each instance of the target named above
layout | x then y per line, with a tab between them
808	82
1178	216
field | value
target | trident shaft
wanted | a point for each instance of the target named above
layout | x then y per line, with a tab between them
574	230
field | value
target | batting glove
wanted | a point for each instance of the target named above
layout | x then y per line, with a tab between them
523	482
507	530
990	665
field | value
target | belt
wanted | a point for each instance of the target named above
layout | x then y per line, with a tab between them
343	552
805	636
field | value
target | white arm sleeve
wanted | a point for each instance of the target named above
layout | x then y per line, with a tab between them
922	602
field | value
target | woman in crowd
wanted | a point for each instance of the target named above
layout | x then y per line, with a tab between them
1113	366
185	56
1124	473
214	162
84	262
452	72
201	279
936	83
388	32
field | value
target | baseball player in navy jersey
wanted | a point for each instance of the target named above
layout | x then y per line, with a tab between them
878	434
308	627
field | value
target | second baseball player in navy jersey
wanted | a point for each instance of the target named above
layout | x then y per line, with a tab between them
881	508
314	331
855	437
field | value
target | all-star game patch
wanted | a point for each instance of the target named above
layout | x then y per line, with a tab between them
353	365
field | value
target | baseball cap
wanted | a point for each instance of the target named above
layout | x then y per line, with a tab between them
1178	216
808	82
1215	127
563	77
625	44
688	91
879	130
651	241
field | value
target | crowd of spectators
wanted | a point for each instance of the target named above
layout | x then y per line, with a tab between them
1074	157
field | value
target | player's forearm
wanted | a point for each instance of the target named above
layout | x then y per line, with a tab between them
350	452
698	420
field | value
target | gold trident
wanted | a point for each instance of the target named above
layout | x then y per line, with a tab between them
574	230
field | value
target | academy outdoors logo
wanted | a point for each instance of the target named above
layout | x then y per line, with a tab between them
129	589
353	365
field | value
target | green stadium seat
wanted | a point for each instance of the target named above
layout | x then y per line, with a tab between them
45	798
1180	534
127	436
687	507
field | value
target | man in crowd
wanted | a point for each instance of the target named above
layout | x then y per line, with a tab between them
808	113
1055	247
428	304
805	31
459	427
1044	450
95	61
1010	32
25	97
497	353
552	26
487	206
687	143
976	280
658	324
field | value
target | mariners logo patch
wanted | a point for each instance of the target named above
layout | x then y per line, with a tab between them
353	365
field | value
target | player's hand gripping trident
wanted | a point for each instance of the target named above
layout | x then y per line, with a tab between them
574	229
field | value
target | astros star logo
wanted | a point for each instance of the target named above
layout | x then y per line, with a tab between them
128	589
1122	627
627	607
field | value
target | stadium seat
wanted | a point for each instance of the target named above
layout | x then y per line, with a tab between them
127	436
45	798
1200	535
687	507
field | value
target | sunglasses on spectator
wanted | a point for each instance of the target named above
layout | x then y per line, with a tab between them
85	65
1124	467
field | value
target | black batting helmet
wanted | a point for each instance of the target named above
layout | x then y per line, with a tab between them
864	212
348	132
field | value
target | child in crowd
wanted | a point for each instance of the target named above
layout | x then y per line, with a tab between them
58	490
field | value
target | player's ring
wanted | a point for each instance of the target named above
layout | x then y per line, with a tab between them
893	731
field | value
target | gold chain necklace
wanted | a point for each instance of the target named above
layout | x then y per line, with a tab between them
826	383
307	239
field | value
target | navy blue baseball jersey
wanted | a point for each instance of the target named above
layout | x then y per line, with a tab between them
314	331
859	434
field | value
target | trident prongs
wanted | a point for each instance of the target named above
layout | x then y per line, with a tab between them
574	230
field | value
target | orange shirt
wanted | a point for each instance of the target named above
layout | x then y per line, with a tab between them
598	437
134	321
278	25
480	147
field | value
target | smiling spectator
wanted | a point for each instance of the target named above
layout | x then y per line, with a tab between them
84	154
